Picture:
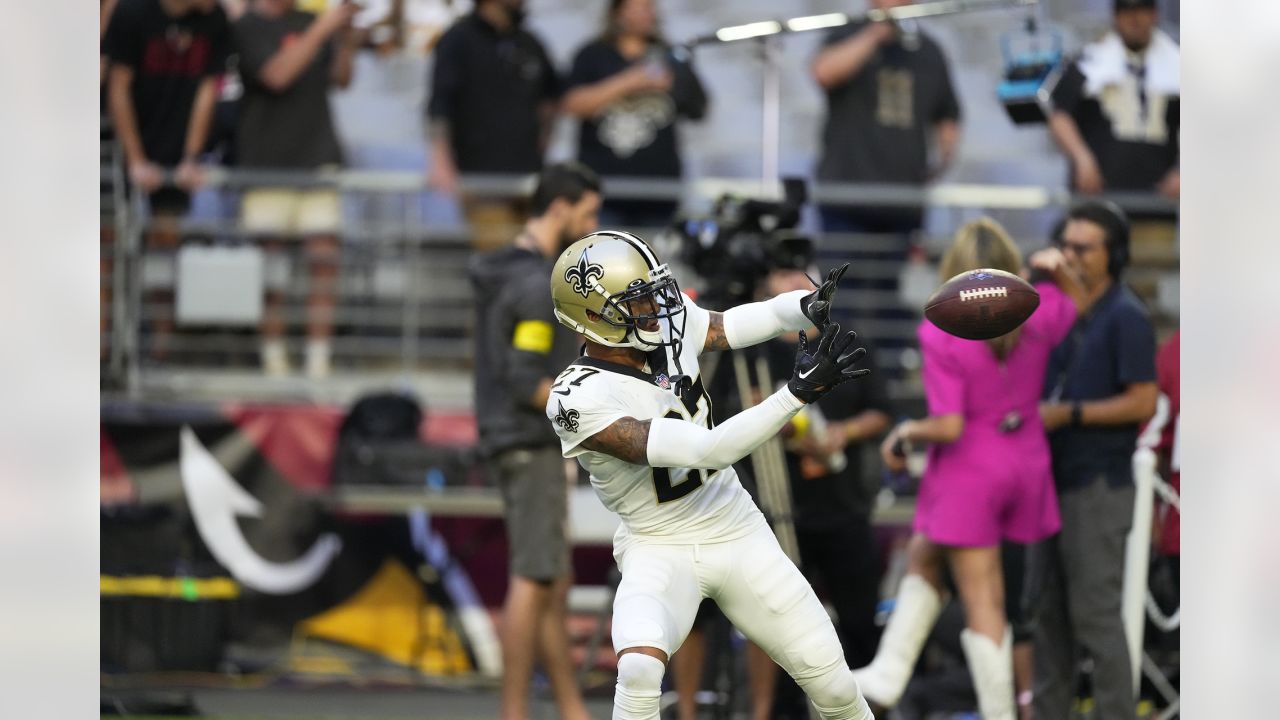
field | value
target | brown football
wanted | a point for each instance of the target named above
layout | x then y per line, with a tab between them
982	304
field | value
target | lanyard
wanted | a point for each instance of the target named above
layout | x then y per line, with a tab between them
1076	339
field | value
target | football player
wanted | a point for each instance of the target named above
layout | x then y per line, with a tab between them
633	411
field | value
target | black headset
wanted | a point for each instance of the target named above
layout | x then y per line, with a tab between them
1113	220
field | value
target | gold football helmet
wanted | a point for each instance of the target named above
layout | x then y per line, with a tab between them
610	287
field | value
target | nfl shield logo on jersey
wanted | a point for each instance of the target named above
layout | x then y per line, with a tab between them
663	381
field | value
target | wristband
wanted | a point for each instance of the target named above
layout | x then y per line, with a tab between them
1077	414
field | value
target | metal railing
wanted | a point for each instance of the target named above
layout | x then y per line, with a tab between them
403	300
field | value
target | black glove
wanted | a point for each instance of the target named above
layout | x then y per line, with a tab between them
829	365
817	305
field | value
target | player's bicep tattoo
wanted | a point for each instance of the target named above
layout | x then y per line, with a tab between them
626	439
716	339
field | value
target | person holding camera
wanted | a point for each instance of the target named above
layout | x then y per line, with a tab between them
831	503
988	477
831	499
628	88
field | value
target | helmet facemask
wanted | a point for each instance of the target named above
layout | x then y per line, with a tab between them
645	308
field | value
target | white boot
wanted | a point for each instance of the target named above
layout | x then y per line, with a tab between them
914	614
992	670
275	358
317	359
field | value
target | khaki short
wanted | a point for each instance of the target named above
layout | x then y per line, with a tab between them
535	496
285	211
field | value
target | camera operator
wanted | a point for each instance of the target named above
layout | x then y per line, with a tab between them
831	499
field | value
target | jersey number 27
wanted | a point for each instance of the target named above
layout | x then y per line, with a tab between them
698	412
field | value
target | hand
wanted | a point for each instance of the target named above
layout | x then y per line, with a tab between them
146	176
642	78
882	32
1088	176
443	176
829	365
892	460
820	447
1171	184
189	175
1050	260
835	441
1054	415
817	305
354	38
339	17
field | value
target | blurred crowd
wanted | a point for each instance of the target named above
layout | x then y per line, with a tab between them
246	83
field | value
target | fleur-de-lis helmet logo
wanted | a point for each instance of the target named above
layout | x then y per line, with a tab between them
580	276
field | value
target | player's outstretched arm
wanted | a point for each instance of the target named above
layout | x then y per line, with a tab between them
756	322
678	443
672	442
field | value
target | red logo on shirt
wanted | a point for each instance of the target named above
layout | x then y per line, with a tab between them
178	53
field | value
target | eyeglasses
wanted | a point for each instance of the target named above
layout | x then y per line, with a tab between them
1076	247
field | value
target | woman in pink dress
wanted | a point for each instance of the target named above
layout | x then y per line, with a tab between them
988	476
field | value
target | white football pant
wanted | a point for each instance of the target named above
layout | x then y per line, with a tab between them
761	592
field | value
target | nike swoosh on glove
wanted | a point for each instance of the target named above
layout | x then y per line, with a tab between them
817	305
830	364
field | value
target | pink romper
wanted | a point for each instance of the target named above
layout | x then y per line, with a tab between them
990	485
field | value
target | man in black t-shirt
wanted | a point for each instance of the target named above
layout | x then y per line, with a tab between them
289	60
889	97
831	499
1117	108
628	88
493	94
831	504
890	105
163	59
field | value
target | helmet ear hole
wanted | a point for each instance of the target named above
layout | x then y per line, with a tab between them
593	316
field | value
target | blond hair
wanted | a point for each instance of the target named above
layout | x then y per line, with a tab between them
984	243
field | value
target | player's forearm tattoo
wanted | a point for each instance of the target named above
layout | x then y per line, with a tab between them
715	334
626	439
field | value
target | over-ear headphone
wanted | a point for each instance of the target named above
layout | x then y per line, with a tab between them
1113	220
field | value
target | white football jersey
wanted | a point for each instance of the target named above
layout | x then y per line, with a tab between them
685	505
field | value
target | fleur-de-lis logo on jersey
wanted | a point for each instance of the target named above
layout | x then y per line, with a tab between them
567	419
581	275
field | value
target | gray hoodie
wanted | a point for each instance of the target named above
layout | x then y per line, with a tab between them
519	342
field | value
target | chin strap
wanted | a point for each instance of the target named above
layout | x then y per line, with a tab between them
680	383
